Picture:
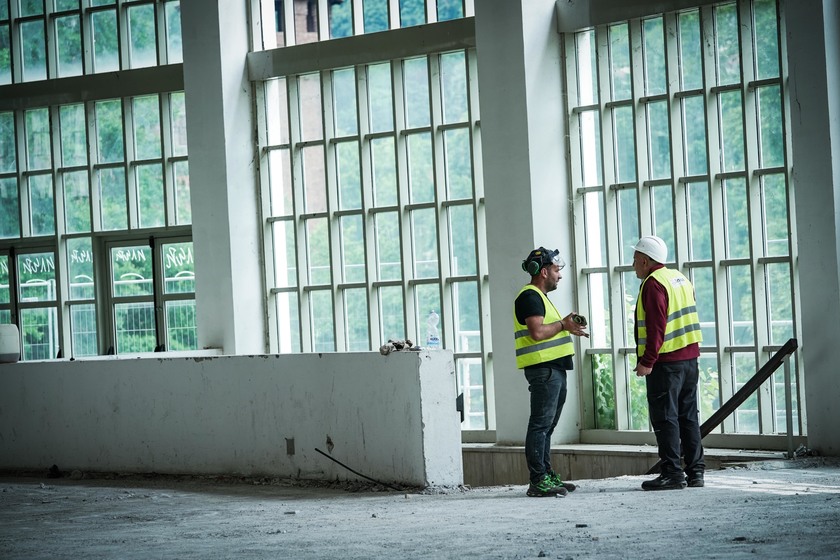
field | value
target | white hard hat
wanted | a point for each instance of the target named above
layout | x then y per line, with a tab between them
653	247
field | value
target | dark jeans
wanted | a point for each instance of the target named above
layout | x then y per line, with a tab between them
548	394
672	404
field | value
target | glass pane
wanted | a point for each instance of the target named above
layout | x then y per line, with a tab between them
109	131
131	271
38	150
5	55
771	138
732	131
33	48
178	268
76	202
659	140
587	67
178	123
412	12
321	321
135	327
73	135
779	400
416	91
421	182
467	317
704	292
341	19
352	248
276	112
453	78
181	331
36	276
105	43
450	9
462	246
426	300
30	7
280	182
424	243
699	217
141	36
174	47
311	116
41	205
183	209
376	15
84	339
471	384
356	320
314	180
628	220
39	328
746	415
620	62
600	320
596	236
318	250
388	260
741	305
779	302
344	102
8	157
766	39
456	146
775	206
662	201
283	249
392	324
654	41
112	200
727	53
380	97
5	292
708	387
80	268
590	148
637	393
306	22
150	196
630	288
68	46
383	171
146	127
288	322
348	174
737	219
625	144
9	208
603	385
694	140
691	51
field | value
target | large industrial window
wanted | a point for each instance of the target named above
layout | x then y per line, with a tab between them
374	211
677	126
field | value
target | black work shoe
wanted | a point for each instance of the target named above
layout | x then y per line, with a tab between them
663	482
696	481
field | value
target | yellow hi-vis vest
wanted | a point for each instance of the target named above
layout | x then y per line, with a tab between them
682	326
530	352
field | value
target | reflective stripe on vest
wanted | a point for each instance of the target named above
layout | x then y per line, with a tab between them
683	325
531	352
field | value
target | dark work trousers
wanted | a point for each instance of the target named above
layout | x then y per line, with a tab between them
548	394
672	404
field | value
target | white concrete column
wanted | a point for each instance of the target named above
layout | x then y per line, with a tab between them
813	45
230	298
520	71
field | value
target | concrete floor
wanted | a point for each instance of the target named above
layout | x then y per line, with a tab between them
772	509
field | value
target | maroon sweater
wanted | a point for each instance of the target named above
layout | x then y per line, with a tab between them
654	300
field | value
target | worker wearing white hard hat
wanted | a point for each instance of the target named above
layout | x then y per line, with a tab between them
667	332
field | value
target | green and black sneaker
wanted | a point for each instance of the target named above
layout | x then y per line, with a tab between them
557	481
545	488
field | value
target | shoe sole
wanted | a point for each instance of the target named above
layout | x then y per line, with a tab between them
549	494
679	487
696	484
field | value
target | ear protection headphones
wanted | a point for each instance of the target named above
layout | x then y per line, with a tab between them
537	259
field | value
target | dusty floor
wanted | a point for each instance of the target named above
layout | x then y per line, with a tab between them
780	509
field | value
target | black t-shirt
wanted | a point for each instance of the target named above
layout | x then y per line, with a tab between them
528	304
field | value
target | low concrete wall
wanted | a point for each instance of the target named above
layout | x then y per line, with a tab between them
391	418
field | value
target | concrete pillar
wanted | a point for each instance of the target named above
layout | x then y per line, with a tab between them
230	296
520	73
813	45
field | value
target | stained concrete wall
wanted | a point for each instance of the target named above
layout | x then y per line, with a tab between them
391	418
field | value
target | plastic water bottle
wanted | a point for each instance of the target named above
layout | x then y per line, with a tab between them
432	336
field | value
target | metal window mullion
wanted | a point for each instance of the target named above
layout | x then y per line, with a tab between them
366	176
123	43
680	197
93	172
331	183
162	53
640	128
23	180
403	194
393	14
716	201
323	20
51	41
131	198
60	249
358	19
169	204
296	156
